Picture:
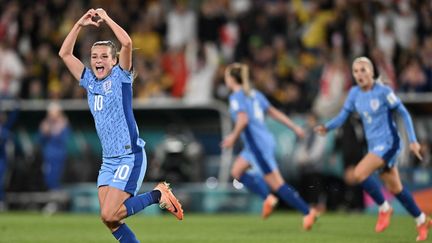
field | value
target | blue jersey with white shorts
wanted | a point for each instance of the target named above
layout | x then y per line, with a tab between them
375	108
259	144
110	102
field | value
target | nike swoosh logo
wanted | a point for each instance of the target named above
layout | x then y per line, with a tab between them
175	209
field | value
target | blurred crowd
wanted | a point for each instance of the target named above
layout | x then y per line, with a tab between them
299	51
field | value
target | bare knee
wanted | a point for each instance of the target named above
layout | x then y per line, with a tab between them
236	174
359	177
110	219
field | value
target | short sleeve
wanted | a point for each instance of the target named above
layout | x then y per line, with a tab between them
236	104
128	75
86	75
265	104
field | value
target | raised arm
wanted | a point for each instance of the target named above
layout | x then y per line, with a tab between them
284	119
125	58
74	65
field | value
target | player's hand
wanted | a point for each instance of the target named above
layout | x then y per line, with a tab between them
416	149
87	19
101	15
229	141
321	130
299	132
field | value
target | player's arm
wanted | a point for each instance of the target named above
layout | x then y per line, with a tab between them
284	119
74	65
241	122
340	119
125	58
407	120
395	104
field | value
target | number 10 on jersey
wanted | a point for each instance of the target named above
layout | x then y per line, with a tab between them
98	102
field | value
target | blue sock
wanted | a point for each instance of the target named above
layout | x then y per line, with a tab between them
125	235
373	189
139	202
290	196
408	202
255	184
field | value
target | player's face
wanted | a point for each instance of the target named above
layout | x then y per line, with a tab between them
363	74
101	61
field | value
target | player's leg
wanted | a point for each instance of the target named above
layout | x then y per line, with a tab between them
291	197
393	183
112	208
161	194
255	183
287	193
113	211
118	179
362	174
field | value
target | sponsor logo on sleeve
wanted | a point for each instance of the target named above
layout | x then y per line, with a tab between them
391	98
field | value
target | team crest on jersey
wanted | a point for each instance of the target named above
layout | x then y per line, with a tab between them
107	86
374	104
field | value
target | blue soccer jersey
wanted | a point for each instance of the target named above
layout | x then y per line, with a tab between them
256	137
375	108
110	102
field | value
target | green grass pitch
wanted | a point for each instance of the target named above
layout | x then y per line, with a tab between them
217	228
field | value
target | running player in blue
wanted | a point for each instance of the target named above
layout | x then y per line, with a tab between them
375	103
109	92
248	109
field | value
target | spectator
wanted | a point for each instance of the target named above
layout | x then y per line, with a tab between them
11	71
334	83
54	134
308	157
6	123
413	77
181	26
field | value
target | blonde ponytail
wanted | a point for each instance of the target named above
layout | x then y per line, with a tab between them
245	79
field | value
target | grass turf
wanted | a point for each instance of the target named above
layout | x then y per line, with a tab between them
238	228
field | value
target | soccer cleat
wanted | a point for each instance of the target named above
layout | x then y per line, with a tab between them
423	230
383	220
310	219
168	201
268	205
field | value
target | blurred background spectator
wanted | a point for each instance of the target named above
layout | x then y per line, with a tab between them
53	138
7	120
274	37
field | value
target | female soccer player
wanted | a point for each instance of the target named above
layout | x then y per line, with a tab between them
248	108
109	92
375	102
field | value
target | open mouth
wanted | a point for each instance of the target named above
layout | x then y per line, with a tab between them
100	69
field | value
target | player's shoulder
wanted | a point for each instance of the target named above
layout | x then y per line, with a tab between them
256	93
354	90
383	87
237	94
